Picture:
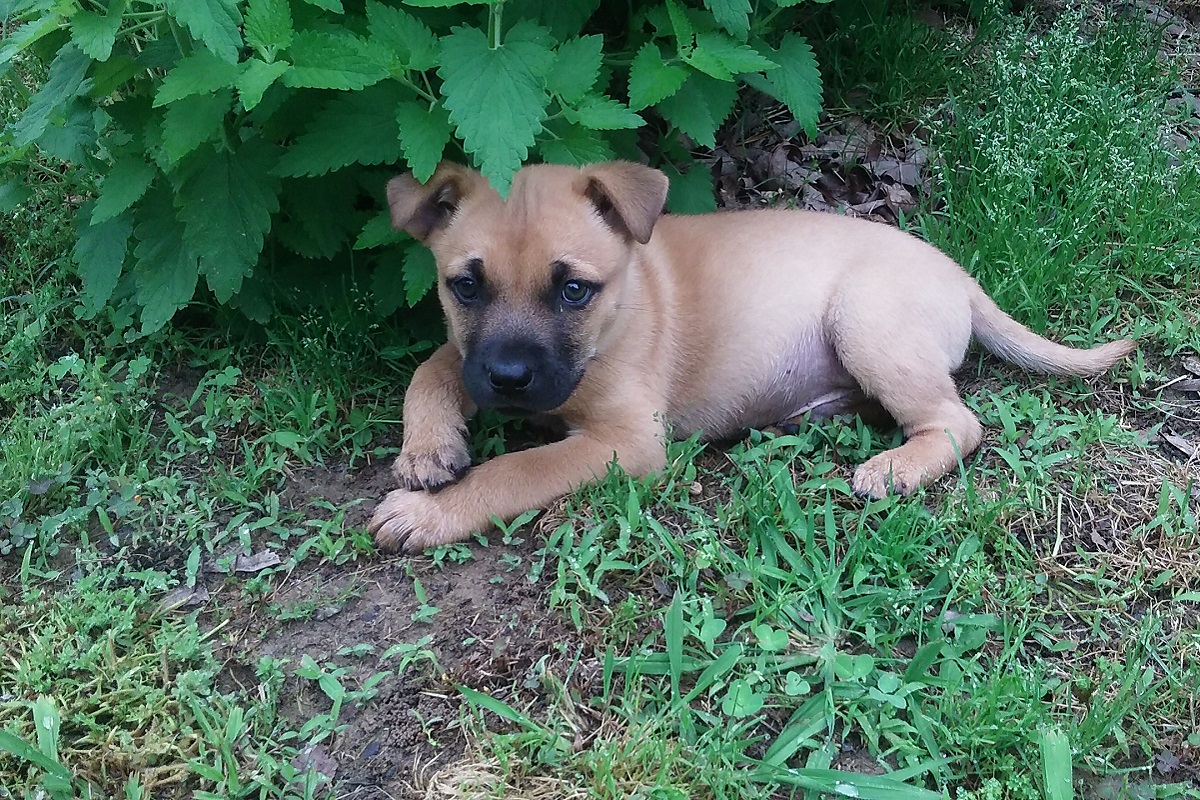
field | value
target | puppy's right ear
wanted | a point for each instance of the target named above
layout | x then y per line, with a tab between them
421	209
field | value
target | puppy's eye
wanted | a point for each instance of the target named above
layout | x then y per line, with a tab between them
576	293
465	289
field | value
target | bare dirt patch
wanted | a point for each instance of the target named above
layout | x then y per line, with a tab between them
490	629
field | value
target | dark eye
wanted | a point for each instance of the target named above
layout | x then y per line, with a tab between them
576	293
465	289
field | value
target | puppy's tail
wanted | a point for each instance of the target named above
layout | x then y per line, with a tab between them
1005	337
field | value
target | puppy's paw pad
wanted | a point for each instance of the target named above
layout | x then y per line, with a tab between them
431	470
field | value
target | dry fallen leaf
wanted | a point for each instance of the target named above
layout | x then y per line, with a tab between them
184	597
316	757
257	562
1181	444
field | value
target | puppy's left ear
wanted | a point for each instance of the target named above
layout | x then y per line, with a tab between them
629	196
422	209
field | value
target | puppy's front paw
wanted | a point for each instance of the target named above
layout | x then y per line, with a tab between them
885	474
409	522
435	467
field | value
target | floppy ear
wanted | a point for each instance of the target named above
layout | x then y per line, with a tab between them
421	209
629	196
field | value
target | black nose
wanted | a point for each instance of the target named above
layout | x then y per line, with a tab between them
510	375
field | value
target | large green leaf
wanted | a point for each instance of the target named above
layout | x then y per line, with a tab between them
123	186
216	23
335	60
226	208
573	145
797	82
199	73
497	98
651	80
67	80
732	15
576	68
424	134
257	76
27	35
354	128
192	121
99	257
603	114
406	38
700	106
95	33
717	55
269	26
166	267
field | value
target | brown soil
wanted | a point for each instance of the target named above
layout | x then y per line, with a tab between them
491	628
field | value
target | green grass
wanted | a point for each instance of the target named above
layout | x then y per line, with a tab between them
747	627
1060	189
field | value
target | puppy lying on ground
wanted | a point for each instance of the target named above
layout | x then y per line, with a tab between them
577	298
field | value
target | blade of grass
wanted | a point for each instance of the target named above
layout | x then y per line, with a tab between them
1056	764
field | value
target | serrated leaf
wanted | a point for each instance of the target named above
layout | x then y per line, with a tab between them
690	192
682	27
95	34
318	218
226	209
213	22
192	121
603	114
404	36
354	128
329	5
334	60
166	268
124	185
797	82
67	79
574	145
378	232
700	106
420	273
563	20
99	257
576	68
269	26
27	35
13	194
722	58
387	284
199	73
650	79
732	15
446	3
496	97
71	135
257	76
424	134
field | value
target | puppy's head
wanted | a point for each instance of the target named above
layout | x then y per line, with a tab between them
533	286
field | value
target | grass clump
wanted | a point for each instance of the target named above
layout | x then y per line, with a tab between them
1063	192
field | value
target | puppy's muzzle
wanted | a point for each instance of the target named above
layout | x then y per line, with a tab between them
517	375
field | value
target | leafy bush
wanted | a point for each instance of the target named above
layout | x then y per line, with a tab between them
243	145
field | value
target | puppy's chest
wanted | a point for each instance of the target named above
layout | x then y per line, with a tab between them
764	386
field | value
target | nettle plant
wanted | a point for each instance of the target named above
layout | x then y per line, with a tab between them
242	146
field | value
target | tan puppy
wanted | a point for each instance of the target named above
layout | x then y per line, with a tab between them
575	297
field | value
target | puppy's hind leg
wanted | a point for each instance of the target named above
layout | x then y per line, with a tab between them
912	383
